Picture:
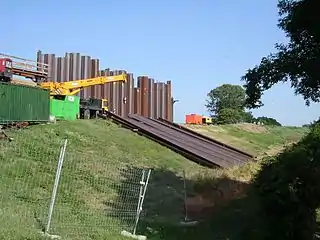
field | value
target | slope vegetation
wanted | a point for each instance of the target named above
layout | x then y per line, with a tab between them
256	139
96	150
92	187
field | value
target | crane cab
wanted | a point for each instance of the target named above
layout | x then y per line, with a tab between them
5	69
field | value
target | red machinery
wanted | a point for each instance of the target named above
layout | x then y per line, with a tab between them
5	69
10	66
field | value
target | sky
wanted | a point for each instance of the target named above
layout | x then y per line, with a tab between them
198	45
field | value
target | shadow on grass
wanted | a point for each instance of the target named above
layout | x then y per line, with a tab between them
224	208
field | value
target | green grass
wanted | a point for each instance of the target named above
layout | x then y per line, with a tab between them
252	138
96	151
92	183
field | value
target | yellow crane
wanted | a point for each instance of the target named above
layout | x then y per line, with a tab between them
73	87
64	105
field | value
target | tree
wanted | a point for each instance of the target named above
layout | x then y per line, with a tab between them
226	104
247	117
226	96
297	62
288	185
268	121
229	116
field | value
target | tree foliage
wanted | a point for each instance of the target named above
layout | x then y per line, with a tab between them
288	185
228	116
289	190
268	121
226	96
297	62
226	104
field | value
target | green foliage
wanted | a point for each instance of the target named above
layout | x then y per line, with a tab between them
228	116
297	62
247	117
226	104
268	121
225	96
314	123
289	190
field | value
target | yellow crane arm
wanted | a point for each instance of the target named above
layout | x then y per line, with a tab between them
73	87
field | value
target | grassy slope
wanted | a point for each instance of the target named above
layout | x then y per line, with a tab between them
96	150
239	218
252	138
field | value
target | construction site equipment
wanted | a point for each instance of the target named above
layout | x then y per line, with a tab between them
91	107
193	119
66	106
11	65
207	120
71	88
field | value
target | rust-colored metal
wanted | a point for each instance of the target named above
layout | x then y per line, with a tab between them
51	61
117	95
172	101
150	98
143	86
111	99
129	98
67	68
137	102
156	97
40	59
162	100
60	69
85	73
75	67
95	90
165	102
104	89
168	102
122	93
116	98
194	146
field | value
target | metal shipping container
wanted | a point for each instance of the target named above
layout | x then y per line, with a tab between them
23	103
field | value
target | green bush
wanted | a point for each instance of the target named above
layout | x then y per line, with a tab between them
288	189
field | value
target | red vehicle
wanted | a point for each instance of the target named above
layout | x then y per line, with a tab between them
5	69
11	66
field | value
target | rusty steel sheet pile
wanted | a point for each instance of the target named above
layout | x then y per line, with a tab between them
146	97
194	146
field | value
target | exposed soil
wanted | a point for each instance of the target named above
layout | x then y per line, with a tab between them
254	128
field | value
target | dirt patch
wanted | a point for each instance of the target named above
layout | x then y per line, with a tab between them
209	198
249	127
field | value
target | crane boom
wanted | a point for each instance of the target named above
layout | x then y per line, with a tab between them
73	87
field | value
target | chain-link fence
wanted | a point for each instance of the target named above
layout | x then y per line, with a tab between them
26	180
44	188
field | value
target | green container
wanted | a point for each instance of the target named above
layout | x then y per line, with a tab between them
65	107
19	103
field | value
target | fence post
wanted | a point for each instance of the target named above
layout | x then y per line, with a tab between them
185	197
139	202
56	183
144	184
187	221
